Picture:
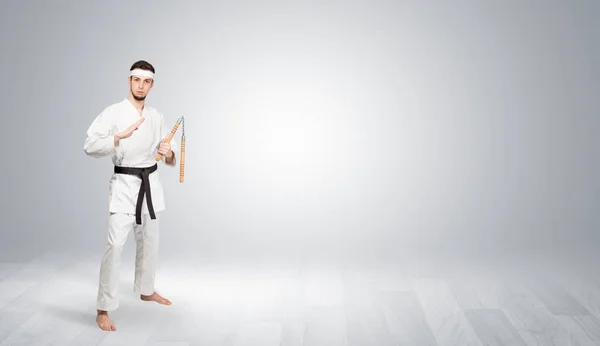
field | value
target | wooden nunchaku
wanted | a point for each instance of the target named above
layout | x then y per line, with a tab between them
180	121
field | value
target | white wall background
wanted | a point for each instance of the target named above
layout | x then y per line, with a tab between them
365	127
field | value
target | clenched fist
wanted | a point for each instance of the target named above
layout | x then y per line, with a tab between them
165	149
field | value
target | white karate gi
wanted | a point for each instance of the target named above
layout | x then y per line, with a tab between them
139	150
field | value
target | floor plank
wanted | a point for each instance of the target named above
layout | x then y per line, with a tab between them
44	328
494	328
447	320
7	269
590	325
257	334
405	318
579	337
366	324
123	338
324	325
530	317
584	288
22	295
36	272
556	299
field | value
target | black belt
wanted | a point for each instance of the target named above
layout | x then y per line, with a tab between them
143	173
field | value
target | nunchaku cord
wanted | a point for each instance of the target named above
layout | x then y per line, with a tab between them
180	121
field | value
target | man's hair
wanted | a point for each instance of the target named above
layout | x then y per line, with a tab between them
143	65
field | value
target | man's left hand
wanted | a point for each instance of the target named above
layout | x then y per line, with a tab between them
165	149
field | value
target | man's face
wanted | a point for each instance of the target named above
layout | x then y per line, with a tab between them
140	86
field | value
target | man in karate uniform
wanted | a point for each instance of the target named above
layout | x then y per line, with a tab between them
132	134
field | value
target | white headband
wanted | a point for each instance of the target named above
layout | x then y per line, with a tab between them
145	73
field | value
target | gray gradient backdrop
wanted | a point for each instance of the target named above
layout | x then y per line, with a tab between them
361	128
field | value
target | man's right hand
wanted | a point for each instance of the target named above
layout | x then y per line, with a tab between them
128	131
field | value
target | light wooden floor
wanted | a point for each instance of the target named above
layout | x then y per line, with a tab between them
49	300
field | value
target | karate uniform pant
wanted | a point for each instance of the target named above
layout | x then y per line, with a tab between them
146	238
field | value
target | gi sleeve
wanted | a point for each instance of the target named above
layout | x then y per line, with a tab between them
165	131
100	136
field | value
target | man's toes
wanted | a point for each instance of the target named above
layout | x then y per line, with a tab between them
106	324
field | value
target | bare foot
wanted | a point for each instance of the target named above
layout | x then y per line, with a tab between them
104	321
156	298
